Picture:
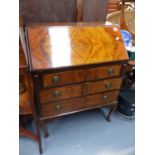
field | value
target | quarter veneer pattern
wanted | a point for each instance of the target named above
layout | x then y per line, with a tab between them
74	45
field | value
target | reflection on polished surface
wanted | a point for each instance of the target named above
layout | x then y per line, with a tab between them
58	46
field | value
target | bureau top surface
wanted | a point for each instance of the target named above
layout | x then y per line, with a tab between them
61	46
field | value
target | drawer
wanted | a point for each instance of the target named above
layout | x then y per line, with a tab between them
58	93
63	78
107	98
102	85
72	105
103	72
62	107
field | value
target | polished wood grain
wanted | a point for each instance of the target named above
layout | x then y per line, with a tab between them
22	61
29	134
95	73
61	107
25	98
57	93
65	92
78	104
59	46
25	106
102	99
61	78
102	86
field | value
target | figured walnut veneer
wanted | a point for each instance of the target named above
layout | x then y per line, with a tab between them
63	78
65	92
77	104
61	46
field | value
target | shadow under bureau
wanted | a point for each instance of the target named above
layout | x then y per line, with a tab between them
75	67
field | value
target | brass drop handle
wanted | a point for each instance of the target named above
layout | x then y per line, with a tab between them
57	93
110	71
105	97
58	107
55	79
108	85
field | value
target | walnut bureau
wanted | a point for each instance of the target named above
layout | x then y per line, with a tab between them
75	67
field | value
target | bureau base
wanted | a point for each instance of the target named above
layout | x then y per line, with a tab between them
43	119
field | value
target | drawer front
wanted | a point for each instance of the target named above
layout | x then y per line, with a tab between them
54	94
72	105
103	72
63	78
107	98
102	85
62	107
